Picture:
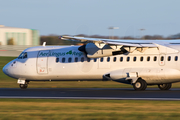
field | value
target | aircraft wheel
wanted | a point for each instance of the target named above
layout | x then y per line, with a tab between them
23	86
140	85
165	86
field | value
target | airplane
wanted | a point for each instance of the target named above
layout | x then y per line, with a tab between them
136	62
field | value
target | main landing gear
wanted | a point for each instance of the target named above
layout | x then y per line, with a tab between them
140	84
166	86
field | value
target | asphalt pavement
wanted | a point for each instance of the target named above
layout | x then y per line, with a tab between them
91	93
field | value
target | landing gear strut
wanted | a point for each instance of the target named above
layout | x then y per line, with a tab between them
166	86
140	85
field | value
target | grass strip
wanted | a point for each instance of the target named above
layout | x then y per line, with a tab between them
56	109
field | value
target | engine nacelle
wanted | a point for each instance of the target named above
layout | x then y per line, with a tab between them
100	50
117	75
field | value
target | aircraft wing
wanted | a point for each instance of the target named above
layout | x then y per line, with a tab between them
130	43
160	44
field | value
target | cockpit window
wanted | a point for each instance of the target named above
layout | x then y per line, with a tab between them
23	55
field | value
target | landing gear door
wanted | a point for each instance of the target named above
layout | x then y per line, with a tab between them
42	62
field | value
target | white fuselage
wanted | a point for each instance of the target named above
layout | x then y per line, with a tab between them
66	63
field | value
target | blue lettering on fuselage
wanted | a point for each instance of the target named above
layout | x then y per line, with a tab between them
58	54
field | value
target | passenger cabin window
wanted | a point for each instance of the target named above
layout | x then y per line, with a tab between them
57	60
148	58
155	58
134	59
88	59
76	59
114	59
176	58
128	59
63	59
162	58
101	59
82	59
108	59
69	59
121	59
141	58
95	59
169	58
23	55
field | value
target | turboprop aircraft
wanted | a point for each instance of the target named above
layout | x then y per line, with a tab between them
136	62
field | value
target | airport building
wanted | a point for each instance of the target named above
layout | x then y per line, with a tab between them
18	36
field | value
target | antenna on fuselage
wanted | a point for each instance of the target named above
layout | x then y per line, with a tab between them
44	44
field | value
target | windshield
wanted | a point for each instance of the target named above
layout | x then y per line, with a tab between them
23	55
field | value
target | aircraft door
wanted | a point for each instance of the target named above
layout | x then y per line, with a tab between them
42	62
162	59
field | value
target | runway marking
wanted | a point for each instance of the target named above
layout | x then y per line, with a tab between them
93	98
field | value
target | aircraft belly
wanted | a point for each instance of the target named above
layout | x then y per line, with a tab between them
64	77
160	75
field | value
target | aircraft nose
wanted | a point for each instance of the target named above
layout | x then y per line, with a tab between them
6	69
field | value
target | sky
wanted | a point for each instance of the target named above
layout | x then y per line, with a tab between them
93	17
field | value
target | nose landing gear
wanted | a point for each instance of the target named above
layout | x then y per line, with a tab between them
23	84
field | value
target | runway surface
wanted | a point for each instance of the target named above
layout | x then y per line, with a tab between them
91	93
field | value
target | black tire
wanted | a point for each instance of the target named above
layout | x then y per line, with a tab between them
23	86
166	86
140	85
